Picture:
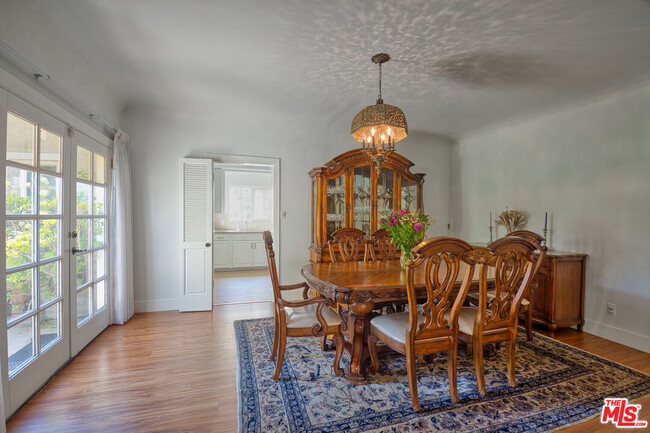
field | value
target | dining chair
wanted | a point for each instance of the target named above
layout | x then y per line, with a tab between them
527	300
514	263
346	244
309	317
424	329
380	246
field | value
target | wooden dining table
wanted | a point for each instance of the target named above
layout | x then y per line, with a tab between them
362	288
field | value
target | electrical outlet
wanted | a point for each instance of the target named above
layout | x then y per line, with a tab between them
611	309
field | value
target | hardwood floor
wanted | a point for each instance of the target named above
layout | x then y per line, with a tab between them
234	287
176	372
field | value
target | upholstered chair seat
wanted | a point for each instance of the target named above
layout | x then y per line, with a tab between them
305	317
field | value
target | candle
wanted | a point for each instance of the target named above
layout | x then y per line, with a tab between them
545	220
490	219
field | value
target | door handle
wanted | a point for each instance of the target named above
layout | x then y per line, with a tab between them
76	250
207	244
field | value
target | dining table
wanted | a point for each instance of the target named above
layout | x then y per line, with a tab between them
361	288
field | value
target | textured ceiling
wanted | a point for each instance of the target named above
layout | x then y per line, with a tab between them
456	65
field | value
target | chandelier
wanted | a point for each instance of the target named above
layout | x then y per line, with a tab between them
379	126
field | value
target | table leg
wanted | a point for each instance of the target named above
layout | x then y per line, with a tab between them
358	329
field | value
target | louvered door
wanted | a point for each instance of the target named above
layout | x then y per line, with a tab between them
196	235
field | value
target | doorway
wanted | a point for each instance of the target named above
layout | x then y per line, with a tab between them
246	203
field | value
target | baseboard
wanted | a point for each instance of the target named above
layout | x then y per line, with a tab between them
156	305
622	336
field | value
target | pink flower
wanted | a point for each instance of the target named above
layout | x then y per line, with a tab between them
417	227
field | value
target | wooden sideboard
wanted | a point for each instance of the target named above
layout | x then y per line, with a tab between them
558	291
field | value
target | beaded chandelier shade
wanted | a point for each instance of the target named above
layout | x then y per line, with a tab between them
379	126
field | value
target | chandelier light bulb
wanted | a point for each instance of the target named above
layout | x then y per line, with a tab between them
372	131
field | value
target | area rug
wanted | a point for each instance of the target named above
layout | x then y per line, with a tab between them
558	386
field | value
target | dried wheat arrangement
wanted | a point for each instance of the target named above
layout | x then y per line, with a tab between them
512	219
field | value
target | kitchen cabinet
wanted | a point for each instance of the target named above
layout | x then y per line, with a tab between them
221	254
238	250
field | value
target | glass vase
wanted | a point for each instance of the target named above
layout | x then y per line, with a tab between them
406	255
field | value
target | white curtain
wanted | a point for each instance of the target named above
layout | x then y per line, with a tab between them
121	239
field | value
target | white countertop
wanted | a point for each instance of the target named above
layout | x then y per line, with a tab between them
238	231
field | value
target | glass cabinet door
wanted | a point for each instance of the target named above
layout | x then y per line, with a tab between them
385	193
335	204
409	195
362	198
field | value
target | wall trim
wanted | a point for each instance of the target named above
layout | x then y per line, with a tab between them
618	335
156	305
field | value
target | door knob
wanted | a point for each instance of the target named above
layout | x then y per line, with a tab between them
76	250
207	244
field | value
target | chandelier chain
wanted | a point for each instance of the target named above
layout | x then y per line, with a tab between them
379	97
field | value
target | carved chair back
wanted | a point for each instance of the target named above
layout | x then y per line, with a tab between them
270	257
527	234
345	244
441	259
380	247
515	264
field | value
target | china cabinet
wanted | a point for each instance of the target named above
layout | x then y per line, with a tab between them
348	192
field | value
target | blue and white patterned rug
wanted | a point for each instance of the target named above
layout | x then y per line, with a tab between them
558	386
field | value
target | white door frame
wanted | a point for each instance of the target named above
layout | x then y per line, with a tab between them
275	164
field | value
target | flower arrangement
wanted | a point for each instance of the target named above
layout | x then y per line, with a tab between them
512	219
406	229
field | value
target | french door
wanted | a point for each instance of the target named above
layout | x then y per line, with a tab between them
89	242
48	288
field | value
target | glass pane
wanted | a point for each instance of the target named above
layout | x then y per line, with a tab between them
335	204
51	146
409	195
49	320
83	269
99	264
83	305
83	163
98	232
48	282
20	342
99	172
99	196
362	205
51	193
20	293
21	140
100	291
20	242
385	193
83	233
49	240
83	198
19	191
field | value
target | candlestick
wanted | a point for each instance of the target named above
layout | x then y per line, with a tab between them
490	233
490	219
545	220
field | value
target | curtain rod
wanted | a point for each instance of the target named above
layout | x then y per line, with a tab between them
40	75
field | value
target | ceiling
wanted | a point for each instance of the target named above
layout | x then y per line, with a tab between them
457	65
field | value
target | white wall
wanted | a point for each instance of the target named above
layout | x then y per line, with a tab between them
589	167
27	31
159	138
